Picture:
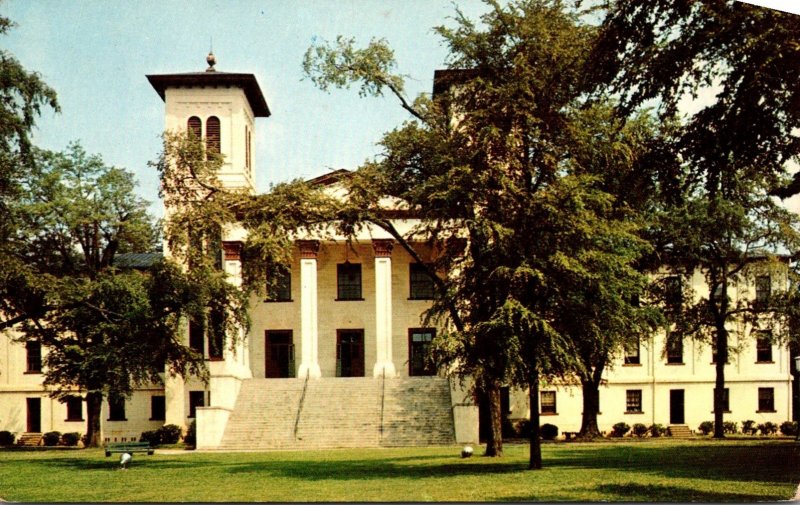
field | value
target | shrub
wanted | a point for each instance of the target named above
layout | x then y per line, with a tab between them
730	427
153	437
789	428
7	438
508	429
639	430
768	428
619	430
51	438
657	430
170	433
524	428
191	435
548	431
70	439
706	427
749	427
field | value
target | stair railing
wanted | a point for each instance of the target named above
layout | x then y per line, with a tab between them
300	404
383	401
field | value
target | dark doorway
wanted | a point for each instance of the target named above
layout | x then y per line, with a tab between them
676	406
34	415
419	341
350	353
279	354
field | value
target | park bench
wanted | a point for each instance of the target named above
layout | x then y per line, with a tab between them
129	447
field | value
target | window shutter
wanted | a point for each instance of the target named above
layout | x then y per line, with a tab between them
212	135
194	126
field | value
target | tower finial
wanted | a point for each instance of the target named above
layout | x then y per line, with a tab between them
211	59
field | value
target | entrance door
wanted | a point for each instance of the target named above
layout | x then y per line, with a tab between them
676	406
350	353
279	354
419	340
34	415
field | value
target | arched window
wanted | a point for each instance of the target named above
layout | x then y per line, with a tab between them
212	134
194	126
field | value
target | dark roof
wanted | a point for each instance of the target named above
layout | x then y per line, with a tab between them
137	260
247	82
329	178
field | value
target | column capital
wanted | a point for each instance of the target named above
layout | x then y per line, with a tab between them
383	247
308	248
233	250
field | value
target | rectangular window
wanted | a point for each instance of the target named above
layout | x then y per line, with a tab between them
348	281
548	402
34	357
633	400
632	354
158	408
74	408
673	292
196	399
675	348
216	332
764	347
116	408
726	406
766	399
763	289
421	283
196	336
281	289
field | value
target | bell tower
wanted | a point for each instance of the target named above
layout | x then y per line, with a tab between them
220	108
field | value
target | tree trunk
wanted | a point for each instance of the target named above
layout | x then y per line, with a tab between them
719	386
94	404
591	407
591	402
535	460
494	442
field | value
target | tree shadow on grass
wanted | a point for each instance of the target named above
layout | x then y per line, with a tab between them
734	462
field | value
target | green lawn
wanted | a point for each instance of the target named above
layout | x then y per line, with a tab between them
657	470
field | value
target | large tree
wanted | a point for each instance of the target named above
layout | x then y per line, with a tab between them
105	330
736	142
489	168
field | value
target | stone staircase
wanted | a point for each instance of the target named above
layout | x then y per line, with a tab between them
418	412
29	439
679	431
340	412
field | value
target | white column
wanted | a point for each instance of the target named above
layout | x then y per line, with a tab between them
383	308
309	330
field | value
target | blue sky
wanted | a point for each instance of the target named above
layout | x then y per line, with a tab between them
95	54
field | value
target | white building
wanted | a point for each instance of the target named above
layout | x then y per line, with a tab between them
334	357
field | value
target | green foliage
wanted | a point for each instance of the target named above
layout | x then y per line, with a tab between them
548	431
153	437
6	438
170	433
749	427
51	438
730	427
768	428
789	428
639	430
657	430
706	427
70	439
190	439
620	429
